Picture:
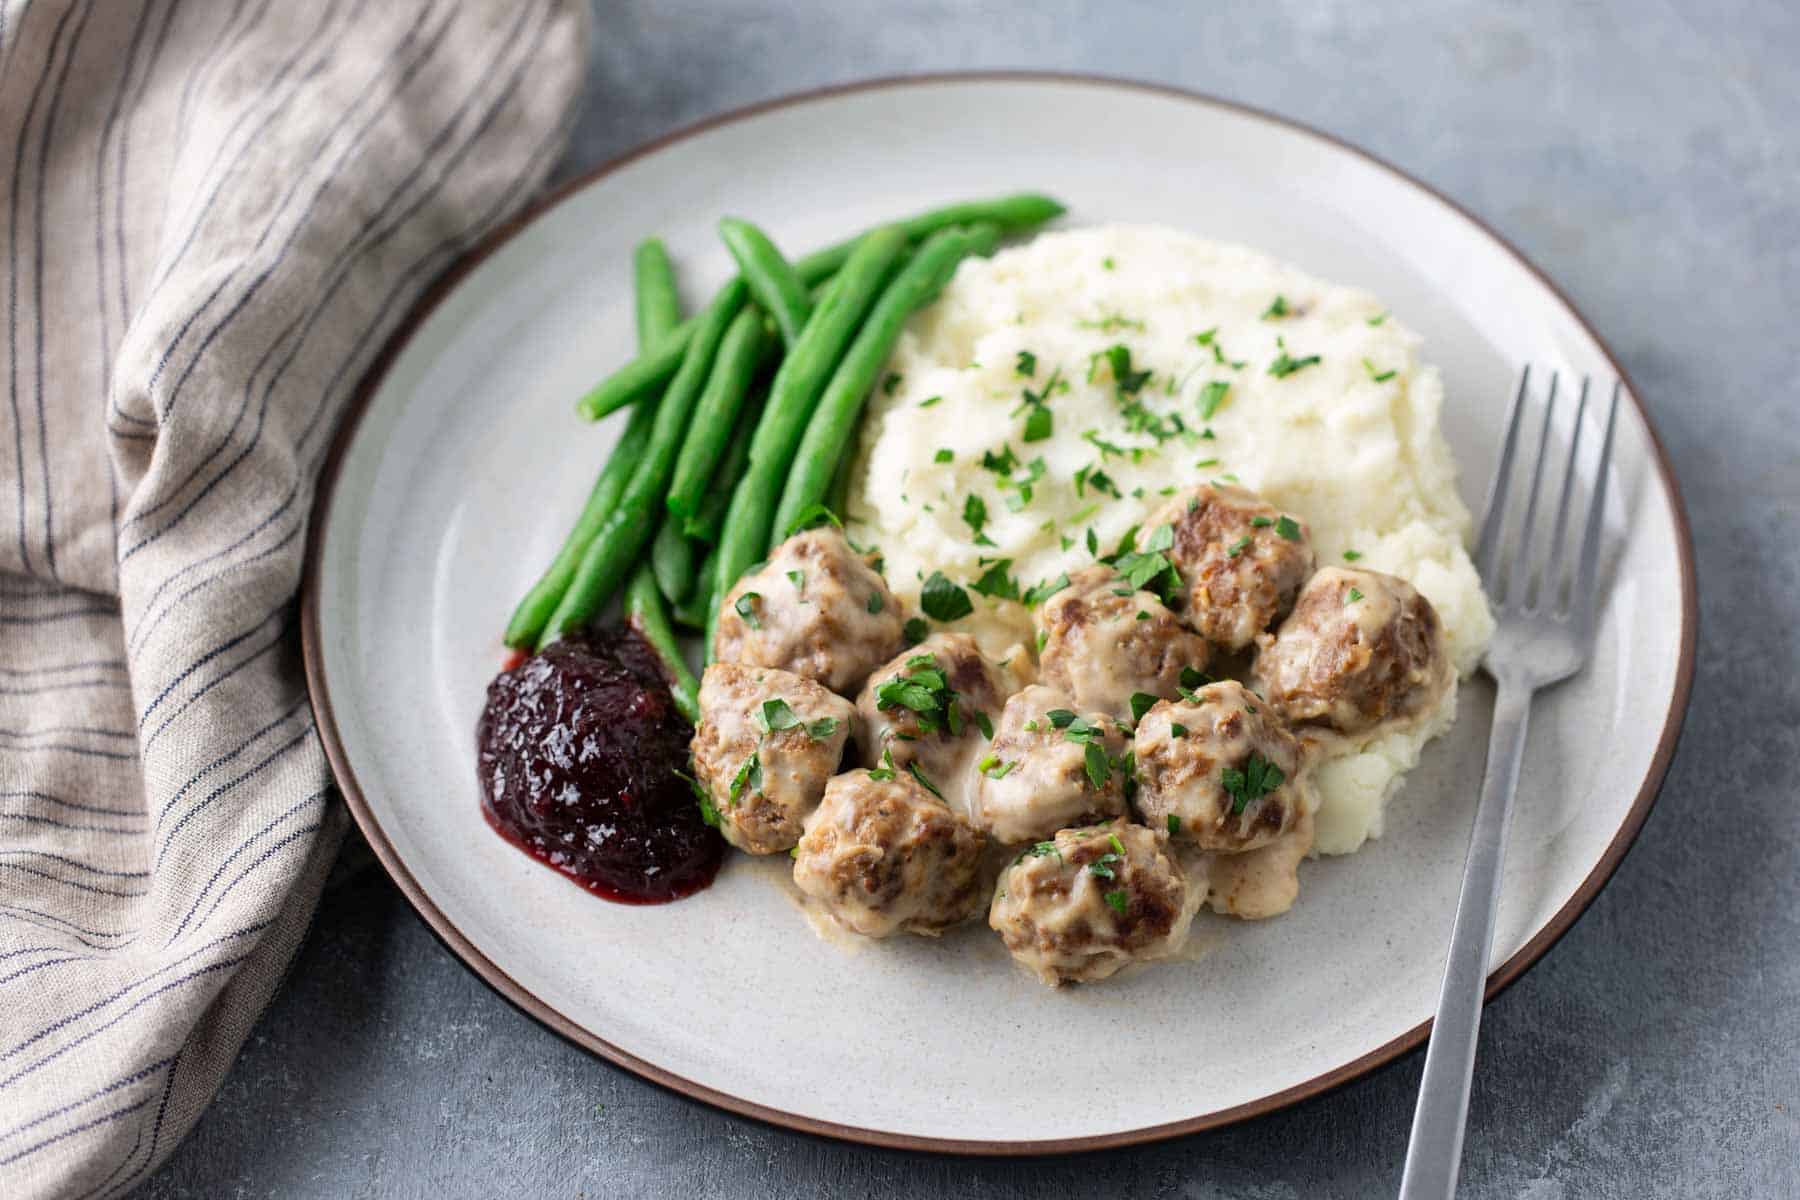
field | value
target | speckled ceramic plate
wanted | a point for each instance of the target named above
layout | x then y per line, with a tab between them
462	464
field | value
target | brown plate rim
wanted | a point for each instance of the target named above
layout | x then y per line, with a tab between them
533	1006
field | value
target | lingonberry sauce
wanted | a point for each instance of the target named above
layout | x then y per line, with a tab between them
579	748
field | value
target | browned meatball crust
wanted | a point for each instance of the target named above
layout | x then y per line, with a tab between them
1103	642
881	855
1240	560
927	708
816	608
1361	650
1078	908
1220	770
1049	768
766	743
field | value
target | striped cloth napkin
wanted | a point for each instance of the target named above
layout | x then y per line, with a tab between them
213	213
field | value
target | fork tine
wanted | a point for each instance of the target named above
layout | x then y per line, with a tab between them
1550	586
1518	576
1487	549
1583	600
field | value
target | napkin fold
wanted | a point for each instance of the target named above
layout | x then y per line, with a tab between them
212	214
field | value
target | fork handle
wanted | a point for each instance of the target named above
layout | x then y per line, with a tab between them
1434	1153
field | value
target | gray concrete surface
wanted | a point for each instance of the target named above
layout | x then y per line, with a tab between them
1648	155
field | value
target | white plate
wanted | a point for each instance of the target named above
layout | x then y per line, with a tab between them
463	464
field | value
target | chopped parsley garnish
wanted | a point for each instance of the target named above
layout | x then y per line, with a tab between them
995	583
975	515
1352	555
1278	308
1039	424
1093	477
1205	337
986	725
798	579
1177	729
925	691
1352	596
1102	867
1286	364
1111	323
1142	615
1043	850
775	715
1377	319
1141	703
746	608
915	630
944	456
749	778
889	384
1211	397
1107	263
1238	547
875	602
1099	768
995	767
1377	376
1027	364
943	600
885	771
1258	778
1261	522
912	768
1287	529
811	517
928	401
1117	901
1092	437
1119	359
1062	718
1174	824
1043	591
1207	462
1193	678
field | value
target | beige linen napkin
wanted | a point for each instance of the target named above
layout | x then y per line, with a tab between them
213	213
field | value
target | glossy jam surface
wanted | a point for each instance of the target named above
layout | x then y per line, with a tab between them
579	748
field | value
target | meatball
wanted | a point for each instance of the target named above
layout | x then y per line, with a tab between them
926	711
1103	642
1264	882
881	855
1240	561
816	608
1048	769
1360	650
1220	770
766	743
1079	908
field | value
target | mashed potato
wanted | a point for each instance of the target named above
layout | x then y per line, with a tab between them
1301	390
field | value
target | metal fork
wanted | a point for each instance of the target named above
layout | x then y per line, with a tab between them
1545	626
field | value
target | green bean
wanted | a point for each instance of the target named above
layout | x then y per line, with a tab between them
773	283
834	418
644	609
632	521
653	368
658	305
705	524
694	610
746	343
838	499
533	613
672	562
801	377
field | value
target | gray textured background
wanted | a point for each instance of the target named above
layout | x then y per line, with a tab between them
1647	155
